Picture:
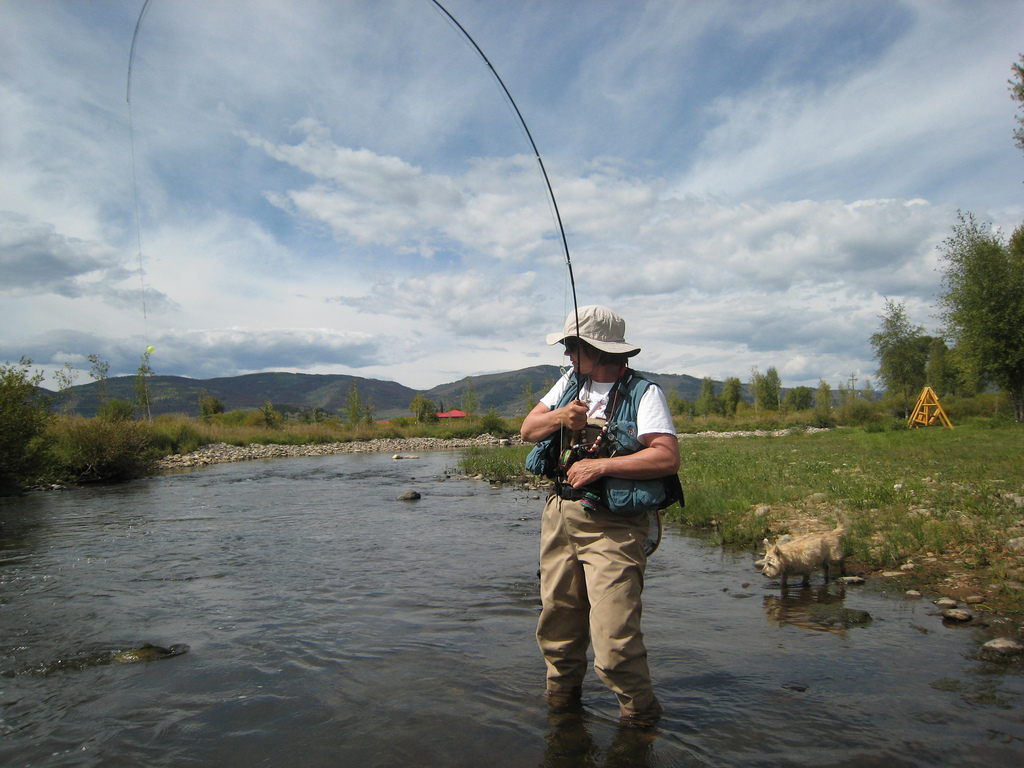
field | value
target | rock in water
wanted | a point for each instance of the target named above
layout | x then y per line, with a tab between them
957	614
409	496
837	616
148	652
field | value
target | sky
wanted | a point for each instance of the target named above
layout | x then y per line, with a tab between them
341	186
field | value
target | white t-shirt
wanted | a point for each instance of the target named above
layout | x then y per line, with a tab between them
653	415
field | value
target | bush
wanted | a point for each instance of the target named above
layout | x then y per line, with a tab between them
95	450
493	424
24	414
117	410
171	436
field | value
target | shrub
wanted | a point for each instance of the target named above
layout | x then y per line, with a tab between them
96	450
117	410
170	436
493	424
24	414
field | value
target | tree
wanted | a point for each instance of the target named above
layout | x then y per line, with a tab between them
732	394
142	377
800	399
1017	94
65	379
355	410
766	388
755	385
209	406
941	372
823	404
423	409
98	371
708	403
24	414
772	389
470	402
529	401
271	416
983	304
901	355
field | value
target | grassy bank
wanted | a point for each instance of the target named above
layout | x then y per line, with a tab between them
946	502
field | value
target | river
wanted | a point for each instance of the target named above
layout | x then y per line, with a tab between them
330	624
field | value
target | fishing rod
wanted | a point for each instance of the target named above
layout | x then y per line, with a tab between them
540	162
508	96
135	182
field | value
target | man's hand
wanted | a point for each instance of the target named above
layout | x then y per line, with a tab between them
574	415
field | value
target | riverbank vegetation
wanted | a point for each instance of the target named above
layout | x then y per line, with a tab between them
931	500
936	506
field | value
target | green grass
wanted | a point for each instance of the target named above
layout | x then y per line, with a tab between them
924	495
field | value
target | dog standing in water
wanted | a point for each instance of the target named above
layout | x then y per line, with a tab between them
802	555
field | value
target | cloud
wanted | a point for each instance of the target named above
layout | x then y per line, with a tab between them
746	185
36	259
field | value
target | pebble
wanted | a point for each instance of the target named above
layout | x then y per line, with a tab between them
913	593
1004	645
946	602
957	614
851	579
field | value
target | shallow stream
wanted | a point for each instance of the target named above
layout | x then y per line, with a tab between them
331	625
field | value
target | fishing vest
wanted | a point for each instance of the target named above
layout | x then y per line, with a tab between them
619	495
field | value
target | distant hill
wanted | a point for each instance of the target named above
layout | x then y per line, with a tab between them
505	392
287	391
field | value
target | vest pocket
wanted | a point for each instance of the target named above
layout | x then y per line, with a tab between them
628	497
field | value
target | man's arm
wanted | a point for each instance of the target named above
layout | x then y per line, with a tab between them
542	421
659	458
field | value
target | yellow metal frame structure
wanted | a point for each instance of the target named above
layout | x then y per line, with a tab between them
928	412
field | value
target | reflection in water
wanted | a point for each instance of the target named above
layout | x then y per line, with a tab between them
569	744
818	608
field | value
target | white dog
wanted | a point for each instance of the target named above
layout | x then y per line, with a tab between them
801	555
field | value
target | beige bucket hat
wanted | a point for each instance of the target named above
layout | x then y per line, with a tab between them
600	328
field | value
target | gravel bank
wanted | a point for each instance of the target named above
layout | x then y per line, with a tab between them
222	453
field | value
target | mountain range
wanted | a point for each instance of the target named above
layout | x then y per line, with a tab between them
507	392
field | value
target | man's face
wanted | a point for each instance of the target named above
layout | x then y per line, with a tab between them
583	356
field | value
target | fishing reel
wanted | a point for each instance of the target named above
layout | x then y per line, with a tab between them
580	449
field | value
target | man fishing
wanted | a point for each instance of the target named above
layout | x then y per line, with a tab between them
606	437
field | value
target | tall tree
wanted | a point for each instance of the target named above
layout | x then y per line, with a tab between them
470	401
354	407
142	379
823	404
1017	94
708	403
423	408
983	304
767	389
732	394
800	398
901	355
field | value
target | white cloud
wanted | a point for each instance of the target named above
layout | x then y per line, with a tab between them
340	187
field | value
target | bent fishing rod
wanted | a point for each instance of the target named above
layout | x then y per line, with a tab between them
540	162
508	96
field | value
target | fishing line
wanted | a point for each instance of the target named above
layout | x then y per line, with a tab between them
536	154
135	182
504	88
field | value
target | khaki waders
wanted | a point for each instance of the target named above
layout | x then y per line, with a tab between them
592	575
